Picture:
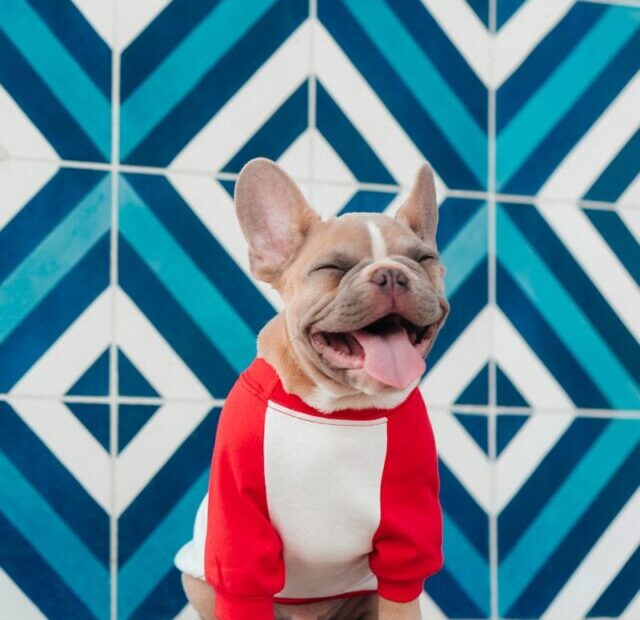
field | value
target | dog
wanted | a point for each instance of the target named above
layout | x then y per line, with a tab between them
323	498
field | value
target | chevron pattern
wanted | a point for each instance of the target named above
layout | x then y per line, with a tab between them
127	308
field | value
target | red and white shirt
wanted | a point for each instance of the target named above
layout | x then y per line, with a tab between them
305	506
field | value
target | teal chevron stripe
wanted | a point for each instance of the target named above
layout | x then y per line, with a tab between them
416	71
570	324
567	505
59	70
466	564
154	557
182	69
465	250
65	245
54	540
562	89
182	277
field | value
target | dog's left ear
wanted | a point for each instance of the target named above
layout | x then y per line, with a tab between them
274	217
420	211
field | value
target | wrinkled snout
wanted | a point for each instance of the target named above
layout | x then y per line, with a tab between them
390	280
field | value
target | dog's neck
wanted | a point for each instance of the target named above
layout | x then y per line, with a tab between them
307	382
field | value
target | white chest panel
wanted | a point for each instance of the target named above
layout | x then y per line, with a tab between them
323	493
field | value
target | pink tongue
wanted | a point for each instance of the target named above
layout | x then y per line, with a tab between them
390	357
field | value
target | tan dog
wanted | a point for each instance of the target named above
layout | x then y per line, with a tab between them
364	301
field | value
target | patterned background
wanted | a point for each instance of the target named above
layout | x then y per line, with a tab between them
126	309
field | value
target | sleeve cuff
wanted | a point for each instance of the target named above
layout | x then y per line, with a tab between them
238	608
400	591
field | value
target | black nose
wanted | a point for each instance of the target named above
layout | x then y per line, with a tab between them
388	278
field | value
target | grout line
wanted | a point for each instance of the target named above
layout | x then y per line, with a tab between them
630	3
481	410
373	187
113	283
487	410
311	103
491	297
119	400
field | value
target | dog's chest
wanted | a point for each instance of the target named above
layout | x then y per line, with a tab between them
323	478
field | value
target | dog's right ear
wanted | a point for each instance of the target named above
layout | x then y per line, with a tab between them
274	217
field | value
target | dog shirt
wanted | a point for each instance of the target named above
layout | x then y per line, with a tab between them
305	505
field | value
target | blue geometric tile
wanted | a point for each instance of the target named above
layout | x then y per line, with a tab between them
570	101
158	519
461	588
555	296
206	309
44	508
428	97
579	496
95	418
57	69
188	64
54	269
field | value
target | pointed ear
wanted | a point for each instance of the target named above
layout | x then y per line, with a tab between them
274	217
420	211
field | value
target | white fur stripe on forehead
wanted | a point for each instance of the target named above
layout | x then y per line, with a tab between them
378	246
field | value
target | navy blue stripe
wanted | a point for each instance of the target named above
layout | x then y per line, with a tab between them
477	426
450	597
95	418
507	427
549	53
368	202
57	311
44	110
130	379
618	175
160	495
277	134
621	590
545	344
477	391
467	302
573	279
203	248
219	84
175	325
481	9
506	392
56	485
574	124
505	10
618	238
42	214
463	510
545	480
40	583
131	418
583	536
445	56
347	141
453	215
165	601
149	49
425	134
95	380
79	38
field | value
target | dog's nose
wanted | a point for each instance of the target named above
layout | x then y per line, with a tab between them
389	279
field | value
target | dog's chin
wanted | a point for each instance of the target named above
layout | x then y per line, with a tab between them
345	354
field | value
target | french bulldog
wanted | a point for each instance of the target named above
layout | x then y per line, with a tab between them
363	304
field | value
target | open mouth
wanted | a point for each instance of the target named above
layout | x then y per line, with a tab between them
390	349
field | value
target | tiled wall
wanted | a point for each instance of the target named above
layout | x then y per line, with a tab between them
126	309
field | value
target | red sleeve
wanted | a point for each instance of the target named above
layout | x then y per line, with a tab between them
407	547
243	552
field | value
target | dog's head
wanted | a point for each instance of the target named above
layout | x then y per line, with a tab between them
363	293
